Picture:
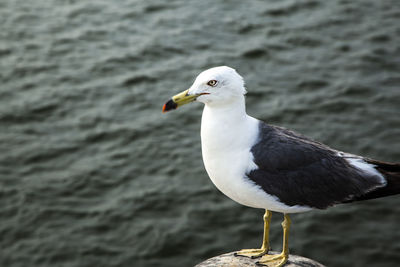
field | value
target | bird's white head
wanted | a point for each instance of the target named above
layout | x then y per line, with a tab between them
215	86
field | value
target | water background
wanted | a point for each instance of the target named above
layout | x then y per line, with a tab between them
91	172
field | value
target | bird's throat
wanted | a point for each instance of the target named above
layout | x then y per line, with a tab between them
226	126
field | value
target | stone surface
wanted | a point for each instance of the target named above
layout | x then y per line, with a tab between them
229	260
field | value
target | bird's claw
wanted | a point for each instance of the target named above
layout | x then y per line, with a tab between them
251	253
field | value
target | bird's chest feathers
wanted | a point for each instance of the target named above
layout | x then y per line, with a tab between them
226	153
223	142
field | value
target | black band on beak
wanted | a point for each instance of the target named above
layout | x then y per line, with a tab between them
169	106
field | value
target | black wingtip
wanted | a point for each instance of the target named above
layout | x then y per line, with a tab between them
169	106
391	173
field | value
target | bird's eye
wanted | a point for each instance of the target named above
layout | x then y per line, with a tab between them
212	83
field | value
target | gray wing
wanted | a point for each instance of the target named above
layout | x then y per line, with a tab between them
300	171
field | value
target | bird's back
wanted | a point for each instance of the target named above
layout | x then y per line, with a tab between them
300	171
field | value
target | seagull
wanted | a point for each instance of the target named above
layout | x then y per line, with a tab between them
268	167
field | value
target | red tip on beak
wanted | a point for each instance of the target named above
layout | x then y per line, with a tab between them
169	105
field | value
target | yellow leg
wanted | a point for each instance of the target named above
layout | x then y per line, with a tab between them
254	253
279	259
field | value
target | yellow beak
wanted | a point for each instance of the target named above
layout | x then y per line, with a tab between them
179	100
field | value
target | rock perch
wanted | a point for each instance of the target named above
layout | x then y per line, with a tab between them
229	260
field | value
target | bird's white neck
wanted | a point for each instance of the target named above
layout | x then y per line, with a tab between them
232	111
226	126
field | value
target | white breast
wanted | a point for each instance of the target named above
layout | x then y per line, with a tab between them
226	153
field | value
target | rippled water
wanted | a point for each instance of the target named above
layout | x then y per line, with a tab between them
91	172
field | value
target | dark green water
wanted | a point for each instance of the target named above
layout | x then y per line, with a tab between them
91	172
